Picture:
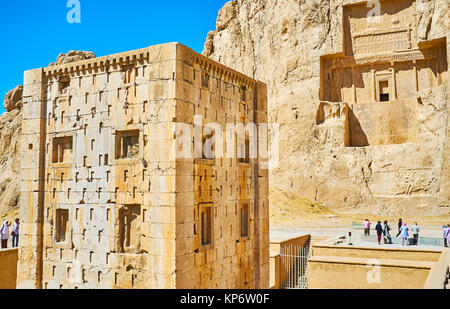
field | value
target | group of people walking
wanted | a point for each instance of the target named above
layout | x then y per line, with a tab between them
5	233
403	230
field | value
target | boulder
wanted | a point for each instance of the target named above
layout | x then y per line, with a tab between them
73	56
13	99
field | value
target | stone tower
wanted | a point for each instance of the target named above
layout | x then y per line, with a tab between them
107	202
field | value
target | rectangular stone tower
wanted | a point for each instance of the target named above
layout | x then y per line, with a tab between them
107	199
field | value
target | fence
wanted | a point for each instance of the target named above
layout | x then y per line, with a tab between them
294	262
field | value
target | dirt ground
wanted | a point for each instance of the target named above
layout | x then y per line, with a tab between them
290	211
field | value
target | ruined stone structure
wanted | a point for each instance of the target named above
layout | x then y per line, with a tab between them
360	90
105	200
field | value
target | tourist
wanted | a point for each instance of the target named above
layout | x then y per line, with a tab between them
400	224
387	235
367	227
447	234
404	231
444	231
379	230
15	233
415	231
4	231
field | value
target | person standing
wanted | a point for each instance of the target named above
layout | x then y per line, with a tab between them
400	224
367	227
444	231
4	231
379	230
415	231
447	234
15	233
386	229
404	231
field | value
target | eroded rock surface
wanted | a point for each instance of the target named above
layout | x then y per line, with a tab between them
285	43
73	56
10	143
13	99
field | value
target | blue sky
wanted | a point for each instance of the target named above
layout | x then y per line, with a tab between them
33	33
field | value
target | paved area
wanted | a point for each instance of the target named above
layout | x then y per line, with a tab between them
432	230
367	244
293	232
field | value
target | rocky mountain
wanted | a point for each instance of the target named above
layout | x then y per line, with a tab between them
284	43
10	145
72	56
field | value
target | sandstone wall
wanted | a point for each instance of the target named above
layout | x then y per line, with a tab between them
95	189
106	201
226	186
282	43
395	266
8	271
11	138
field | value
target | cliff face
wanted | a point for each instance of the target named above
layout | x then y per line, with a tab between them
72	56
10	143
284	44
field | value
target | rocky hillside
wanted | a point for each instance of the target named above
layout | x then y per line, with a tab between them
281	42
72	56
10	139
10	145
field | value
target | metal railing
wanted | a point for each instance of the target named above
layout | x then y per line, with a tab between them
294	270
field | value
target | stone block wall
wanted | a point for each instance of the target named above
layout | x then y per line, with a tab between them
225	187
107	202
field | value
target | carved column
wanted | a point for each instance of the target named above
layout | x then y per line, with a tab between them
437	68
374	86
333	69
353	84
394	82
416	80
